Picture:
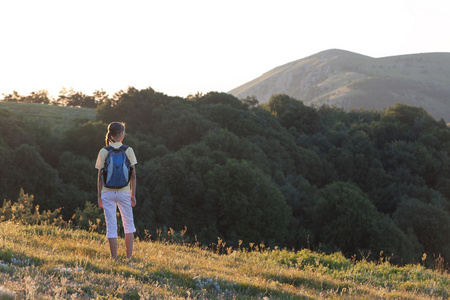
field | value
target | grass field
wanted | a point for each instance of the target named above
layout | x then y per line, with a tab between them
47	262
59	115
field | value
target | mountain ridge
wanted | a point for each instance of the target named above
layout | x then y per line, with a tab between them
349	80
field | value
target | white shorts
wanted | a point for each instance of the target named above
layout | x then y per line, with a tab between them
110	202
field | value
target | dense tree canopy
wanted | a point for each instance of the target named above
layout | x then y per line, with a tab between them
281	173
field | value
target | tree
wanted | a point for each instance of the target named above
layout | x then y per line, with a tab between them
100	97
234	147
24	212
221	98
84	139
29	171
249	205
405	114
78	170
78	99
429	222
344	218
251	101
175	196
293	113
179	124
14	97
41	97
136	108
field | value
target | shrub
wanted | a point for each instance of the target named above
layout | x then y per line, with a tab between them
22	211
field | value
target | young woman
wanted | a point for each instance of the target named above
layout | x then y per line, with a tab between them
124	198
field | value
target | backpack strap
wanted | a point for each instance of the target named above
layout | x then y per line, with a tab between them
123	147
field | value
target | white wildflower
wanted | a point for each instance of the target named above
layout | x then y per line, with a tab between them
7	292
68	270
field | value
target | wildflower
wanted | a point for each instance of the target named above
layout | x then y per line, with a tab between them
7	292
68	270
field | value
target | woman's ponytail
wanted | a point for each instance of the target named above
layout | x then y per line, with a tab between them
114	129
108	138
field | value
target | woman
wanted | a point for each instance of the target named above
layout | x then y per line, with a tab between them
124	197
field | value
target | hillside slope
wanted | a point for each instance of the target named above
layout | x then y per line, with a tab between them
46	262
349	80
62	116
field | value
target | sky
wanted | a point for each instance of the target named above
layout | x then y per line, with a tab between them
182	47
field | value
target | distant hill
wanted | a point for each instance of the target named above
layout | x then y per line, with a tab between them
350	80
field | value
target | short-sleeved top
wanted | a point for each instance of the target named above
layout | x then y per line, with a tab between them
100	163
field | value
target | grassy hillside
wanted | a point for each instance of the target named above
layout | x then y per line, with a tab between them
59	115
350	80
45	262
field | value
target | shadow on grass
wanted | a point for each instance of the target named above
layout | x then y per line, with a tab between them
327	286
212	288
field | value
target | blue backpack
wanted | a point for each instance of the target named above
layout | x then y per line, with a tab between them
117	169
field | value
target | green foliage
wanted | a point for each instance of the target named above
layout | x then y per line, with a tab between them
29	171
345	219
430	222
175	195
22	211
226	116
343	216
41	97
293	113
249	206
77	99
135	108
283	172
90	218
179	124
85	139
406	114
14	134
77	170
231	146
222	98
66	98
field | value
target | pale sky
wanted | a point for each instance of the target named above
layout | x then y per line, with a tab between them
181	47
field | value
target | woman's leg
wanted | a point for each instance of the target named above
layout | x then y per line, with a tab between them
126	211
129	237
109	207
113	247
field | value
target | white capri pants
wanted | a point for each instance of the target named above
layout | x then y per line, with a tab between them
110	202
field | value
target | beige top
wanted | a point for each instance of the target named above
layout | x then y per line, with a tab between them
100	163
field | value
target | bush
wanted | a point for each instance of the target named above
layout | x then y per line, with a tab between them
22	211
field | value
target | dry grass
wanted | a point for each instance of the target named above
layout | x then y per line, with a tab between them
47	262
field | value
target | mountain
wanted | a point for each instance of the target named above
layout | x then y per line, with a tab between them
350	80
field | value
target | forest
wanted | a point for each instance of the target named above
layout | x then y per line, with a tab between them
282	174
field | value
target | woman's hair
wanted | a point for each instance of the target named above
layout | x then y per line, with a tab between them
114	129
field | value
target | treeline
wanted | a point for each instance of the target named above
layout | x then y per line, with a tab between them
282	173
66	97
